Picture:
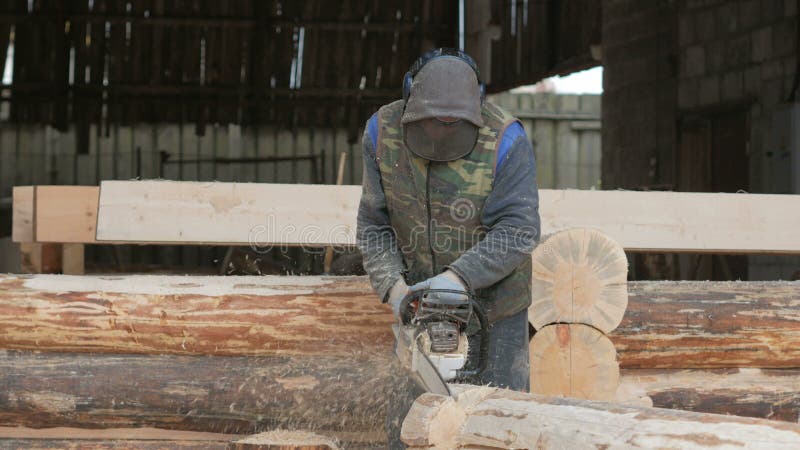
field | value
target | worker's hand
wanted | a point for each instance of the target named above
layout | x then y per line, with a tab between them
396	295
446	280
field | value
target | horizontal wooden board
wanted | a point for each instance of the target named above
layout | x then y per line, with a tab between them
66	214
679	221
292	214
227	213
22	214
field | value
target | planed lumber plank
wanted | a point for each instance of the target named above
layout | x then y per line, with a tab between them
679	221
240	213
66	214
341	396
227	213
491	418
579	276
641	221
765	393
22	214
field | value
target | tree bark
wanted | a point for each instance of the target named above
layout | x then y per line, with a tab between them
490	418
673	324
342	397
573	360
264	316
111	439
579	276
682	325
765	393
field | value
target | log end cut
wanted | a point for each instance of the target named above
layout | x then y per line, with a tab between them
579	276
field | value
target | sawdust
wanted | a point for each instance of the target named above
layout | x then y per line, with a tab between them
287	437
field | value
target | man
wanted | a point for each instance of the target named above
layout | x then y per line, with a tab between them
449	201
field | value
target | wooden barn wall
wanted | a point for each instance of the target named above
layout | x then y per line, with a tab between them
541	38
564	128
290	63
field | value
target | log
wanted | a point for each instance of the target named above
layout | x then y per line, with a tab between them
491	418
579	276
12	438
272	315
153	438
670	325
765	393
682	325
340	397
573	361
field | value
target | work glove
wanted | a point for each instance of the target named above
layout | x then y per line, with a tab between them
445	280
396	295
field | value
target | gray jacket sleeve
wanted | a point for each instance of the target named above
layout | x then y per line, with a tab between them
375	236
511	214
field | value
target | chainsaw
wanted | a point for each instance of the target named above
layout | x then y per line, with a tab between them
432	340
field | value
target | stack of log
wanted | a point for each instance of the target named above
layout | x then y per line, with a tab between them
233	355
242	355
717	347
579	294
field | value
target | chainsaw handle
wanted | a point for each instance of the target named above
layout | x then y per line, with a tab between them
483	350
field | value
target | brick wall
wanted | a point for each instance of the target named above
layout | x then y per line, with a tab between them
639	93
742	52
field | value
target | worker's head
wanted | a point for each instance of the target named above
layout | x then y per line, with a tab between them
443	105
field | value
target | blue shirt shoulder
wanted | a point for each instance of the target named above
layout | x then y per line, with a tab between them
372	130
510	136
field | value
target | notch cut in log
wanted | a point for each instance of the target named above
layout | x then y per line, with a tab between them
490	418
573	361
579	276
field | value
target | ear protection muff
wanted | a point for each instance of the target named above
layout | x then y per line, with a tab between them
429	56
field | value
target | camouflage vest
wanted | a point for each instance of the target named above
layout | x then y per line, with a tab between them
435	207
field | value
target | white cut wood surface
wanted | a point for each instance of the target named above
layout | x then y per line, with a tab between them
65	214
293	214
227	213
579	276
22	214
491	418
573	360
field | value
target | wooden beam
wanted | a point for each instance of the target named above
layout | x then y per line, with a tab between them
40	258
271	315
227	213
162	212
766	393
491	418
22	214
66	214
342	397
